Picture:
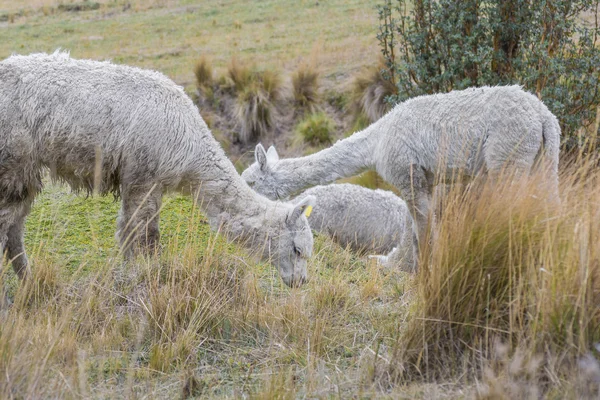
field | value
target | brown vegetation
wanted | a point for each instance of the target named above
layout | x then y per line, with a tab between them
305	87
370	91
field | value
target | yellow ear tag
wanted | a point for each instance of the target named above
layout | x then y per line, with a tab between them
307	211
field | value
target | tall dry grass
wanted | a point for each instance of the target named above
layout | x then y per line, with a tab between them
507	266
370	90
305	87
202	318
257	96
99	334
203	71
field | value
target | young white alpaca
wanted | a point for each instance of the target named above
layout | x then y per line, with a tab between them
366	220
105	127
458	134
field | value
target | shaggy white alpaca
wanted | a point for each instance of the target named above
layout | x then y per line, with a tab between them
458	134
112	128
366	220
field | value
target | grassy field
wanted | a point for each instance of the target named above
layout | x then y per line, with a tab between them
506	305
168	35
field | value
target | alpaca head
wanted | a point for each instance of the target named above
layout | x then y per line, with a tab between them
261	176
292	242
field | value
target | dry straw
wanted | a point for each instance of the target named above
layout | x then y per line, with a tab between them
507	265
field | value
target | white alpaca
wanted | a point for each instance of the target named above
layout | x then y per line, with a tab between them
105	127
366	220
458	134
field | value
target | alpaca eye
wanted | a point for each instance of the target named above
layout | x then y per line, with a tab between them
297	251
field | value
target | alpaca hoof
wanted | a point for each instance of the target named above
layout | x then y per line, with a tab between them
384	260
380	259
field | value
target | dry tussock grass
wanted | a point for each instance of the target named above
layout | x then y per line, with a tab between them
203	72
305	87
508	266
370	90
257	96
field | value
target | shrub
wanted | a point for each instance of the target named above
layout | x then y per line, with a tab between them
203	72
316	129
443	45
305	84
371	90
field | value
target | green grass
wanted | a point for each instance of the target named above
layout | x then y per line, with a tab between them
71	230
171	35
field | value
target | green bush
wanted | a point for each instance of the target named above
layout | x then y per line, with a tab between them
548	47
316	129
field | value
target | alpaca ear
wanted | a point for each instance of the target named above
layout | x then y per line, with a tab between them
304	206
261	157
272	155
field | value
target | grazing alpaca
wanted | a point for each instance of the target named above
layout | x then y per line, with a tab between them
133	132
458	134
366	220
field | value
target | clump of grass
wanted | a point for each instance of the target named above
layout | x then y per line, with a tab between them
370	91
239	74
257	94
316	129
254	112
361	121
305	85
272	84
507	265
204	73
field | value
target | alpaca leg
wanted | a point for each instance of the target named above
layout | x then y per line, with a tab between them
15	248
415	188
9	225
18	193
137	223
5	223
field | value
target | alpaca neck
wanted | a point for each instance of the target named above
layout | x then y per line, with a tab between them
228	202
228	197
347	157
